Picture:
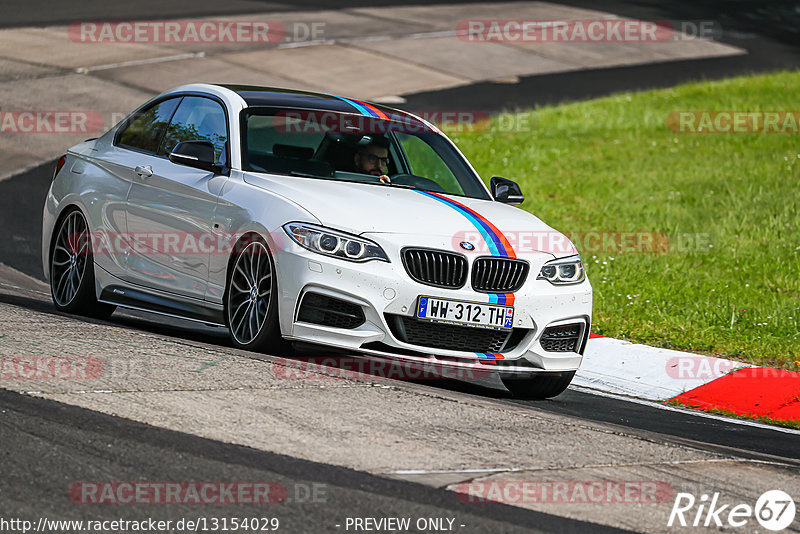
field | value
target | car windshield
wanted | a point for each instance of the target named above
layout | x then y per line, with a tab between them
395	152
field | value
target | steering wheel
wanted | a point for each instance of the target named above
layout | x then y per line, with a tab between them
419	182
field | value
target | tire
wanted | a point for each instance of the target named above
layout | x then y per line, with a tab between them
72	283
539	387
251	299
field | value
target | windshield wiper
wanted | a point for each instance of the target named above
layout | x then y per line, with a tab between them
404	186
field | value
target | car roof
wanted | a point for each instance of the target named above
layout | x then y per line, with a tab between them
256	96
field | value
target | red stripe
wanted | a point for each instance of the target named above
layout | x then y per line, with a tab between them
380	113
595	336
509	299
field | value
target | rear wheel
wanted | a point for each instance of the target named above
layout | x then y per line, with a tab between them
72	283
251	300
539	387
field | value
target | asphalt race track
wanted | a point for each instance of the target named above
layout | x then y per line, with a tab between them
20	250
75	444
49	440
20	199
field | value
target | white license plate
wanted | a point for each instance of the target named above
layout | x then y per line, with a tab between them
466	313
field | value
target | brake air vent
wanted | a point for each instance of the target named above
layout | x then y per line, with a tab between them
330	311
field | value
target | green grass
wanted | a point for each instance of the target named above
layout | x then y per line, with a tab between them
731	203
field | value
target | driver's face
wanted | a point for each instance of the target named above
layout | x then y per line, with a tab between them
372	160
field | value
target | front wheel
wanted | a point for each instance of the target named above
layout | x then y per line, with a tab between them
251	300
72	283
539	387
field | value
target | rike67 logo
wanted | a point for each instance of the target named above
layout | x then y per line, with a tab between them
774	510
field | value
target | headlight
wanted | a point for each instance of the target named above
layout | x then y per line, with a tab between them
563	271
334	243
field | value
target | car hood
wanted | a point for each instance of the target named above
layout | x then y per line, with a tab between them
368	209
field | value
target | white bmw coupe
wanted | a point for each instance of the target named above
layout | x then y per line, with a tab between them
294	216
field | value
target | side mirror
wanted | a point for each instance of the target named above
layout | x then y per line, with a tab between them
197	154
506	191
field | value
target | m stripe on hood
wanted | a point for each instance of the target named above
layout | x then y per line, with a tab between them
495	240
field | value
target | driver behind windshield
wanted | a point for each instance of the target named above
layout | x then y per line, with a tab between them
374	159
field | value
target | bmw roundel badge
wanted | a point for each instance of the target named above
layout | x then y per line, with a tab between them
466	245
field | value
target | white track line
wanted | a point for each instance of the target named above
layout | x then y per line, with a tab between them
136	62
590	466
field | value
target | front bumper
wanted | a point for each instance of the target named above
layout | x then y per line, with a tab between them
383	290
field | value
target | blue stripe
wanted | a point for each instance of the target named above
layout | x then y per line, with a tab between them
495	246
361	109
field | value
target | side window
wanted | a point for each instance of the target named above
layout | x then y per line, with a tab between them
145	130
197	119
424	161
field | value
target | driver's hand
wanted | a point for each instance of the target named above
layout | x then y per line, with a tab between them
384	179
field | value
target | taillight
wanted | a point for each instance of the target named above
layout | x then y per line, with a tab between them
60	163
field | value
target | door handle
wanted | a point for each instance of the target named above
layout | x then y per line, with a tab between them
144	171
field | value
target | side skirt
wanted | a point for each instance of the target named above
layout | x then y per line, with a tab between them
136	299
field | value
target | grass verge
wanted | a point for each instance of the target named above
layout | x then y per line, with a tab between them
725	278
